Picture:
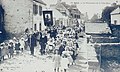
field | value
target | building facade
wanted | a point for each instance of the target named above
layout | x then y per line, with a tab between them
38	7
18	15
70	13
21	15
115	16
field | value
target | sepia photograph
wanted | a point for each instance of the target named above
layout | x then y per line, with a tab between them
59	35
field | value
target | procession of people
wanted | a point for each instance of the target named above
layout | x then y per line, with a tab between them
59	43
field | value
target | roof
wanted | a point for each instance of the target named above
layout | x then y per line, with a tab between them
40	1
116	11
66	5
71	8
97	28
57	14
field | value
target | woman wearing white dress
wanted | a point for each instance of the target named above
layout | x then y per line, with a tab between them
64	63
68	54
56	60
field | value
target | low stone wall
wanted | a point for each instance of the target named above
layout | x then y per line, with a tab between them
115	30
108	51
106	40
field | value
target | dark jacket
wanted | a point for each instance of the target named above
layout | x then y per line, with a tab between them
32	41
61	49
17	46
43	40
53	33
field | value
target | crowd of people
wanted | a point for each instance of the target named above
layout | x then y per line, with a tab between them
59	42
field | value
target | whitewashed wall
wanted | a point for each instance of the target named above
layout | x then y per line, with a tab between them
115	17
37	19
18	15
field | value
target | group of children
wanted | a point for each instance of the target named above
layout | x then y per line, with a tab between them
11	47
65	49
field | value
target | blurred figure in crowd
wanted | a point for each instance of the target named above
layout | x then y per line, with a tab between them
17	47
22	44
11	49
56	60
64	63
43	42
32	41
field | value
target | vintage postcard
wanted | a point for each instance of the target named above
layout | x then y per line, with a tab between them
59	35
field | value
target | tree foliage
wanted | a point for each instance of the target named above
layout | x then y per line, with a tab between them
106	13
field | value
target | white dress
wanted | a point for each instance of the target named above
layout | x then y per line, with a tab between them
64	63
70	59
56	60
22	43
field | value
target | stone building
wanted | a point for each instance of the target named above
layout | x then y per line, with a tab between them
70	13
22	14
38	7
18	15
115	16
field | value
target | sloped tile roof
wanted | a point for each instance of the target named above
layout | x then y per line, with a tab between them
116	11
40	1
66	5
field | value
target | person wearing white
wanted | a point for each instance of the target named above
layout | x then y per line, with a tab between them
64	63
68	54
56	60
50	46
22	44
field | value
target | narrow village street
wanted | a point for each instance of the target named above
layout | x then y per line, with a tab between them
25	62
59	36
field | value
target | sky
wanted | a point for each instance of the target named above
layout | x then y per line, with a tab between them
90	6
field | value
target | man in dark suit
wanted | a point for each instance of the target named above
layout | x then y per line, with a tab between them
43	42
32	43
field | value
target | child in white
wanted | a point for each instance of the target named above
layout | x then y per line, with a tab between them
64	63
56	60
22	44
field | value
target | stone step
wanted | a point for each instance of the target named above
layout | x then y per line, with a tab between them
83	61
82	65
78	68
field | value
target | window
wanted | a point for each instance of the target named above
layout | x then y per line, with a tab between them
35	9
72	15
75	16
56	22
61	22
78	16
35	27
40	10
40	26
115	22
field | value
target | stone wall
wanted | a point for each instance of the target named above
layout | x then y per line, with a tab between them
106	40
109	51
115	30
18	15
